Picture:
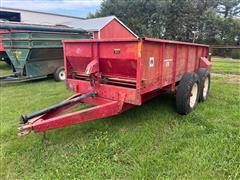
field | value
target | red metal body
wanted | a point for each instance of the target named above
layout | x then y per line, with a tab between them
140	66
123	73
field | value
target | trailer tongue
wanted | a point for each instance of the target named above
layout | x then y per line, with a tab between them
50	118
115	75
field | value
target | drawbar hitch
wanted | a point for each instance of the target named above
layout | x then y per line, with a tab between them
25	118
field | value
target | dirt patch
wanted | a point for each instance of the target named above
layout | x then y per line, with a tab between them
226	78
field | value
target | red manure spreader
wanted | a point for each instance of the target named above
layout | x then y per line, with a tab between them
116	75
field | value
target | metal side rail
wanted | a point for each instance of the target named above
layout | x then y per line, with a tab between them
16	79
57	116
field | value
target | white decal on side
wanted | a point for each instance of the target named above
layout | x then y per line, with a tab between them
151	62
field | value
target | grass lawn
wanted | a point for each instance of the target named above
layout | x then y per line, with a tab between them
147	142
4	69
226	66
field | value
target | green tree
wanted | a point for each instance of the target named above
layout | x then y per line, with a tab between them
229	8
206	21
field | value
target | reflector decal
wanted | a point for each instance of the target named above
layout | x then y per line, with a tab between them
117	51
17	54
139	49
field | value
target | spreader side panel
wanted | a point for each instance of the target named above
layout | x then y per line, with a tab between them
163	63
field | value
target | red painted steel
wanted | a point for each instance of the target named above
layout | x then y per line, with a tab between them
123	73
108	108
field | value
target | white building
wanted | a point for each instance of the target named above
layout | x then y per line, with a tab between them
20	15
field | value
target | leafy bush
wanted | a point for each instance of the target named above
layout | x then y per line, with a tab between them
236	54
222	52
232	53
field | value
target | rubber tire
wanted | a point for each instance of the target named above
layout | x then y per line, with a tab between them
203	73
183	93
57	74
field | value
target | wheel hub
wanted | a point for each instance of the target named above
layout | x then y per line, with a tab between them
62	75
194	93
205	88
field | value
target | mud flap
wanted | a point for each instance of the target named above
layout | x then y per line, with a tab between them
205	63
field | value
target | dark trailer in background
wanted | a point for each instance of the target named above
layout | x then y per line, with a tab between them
36	51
